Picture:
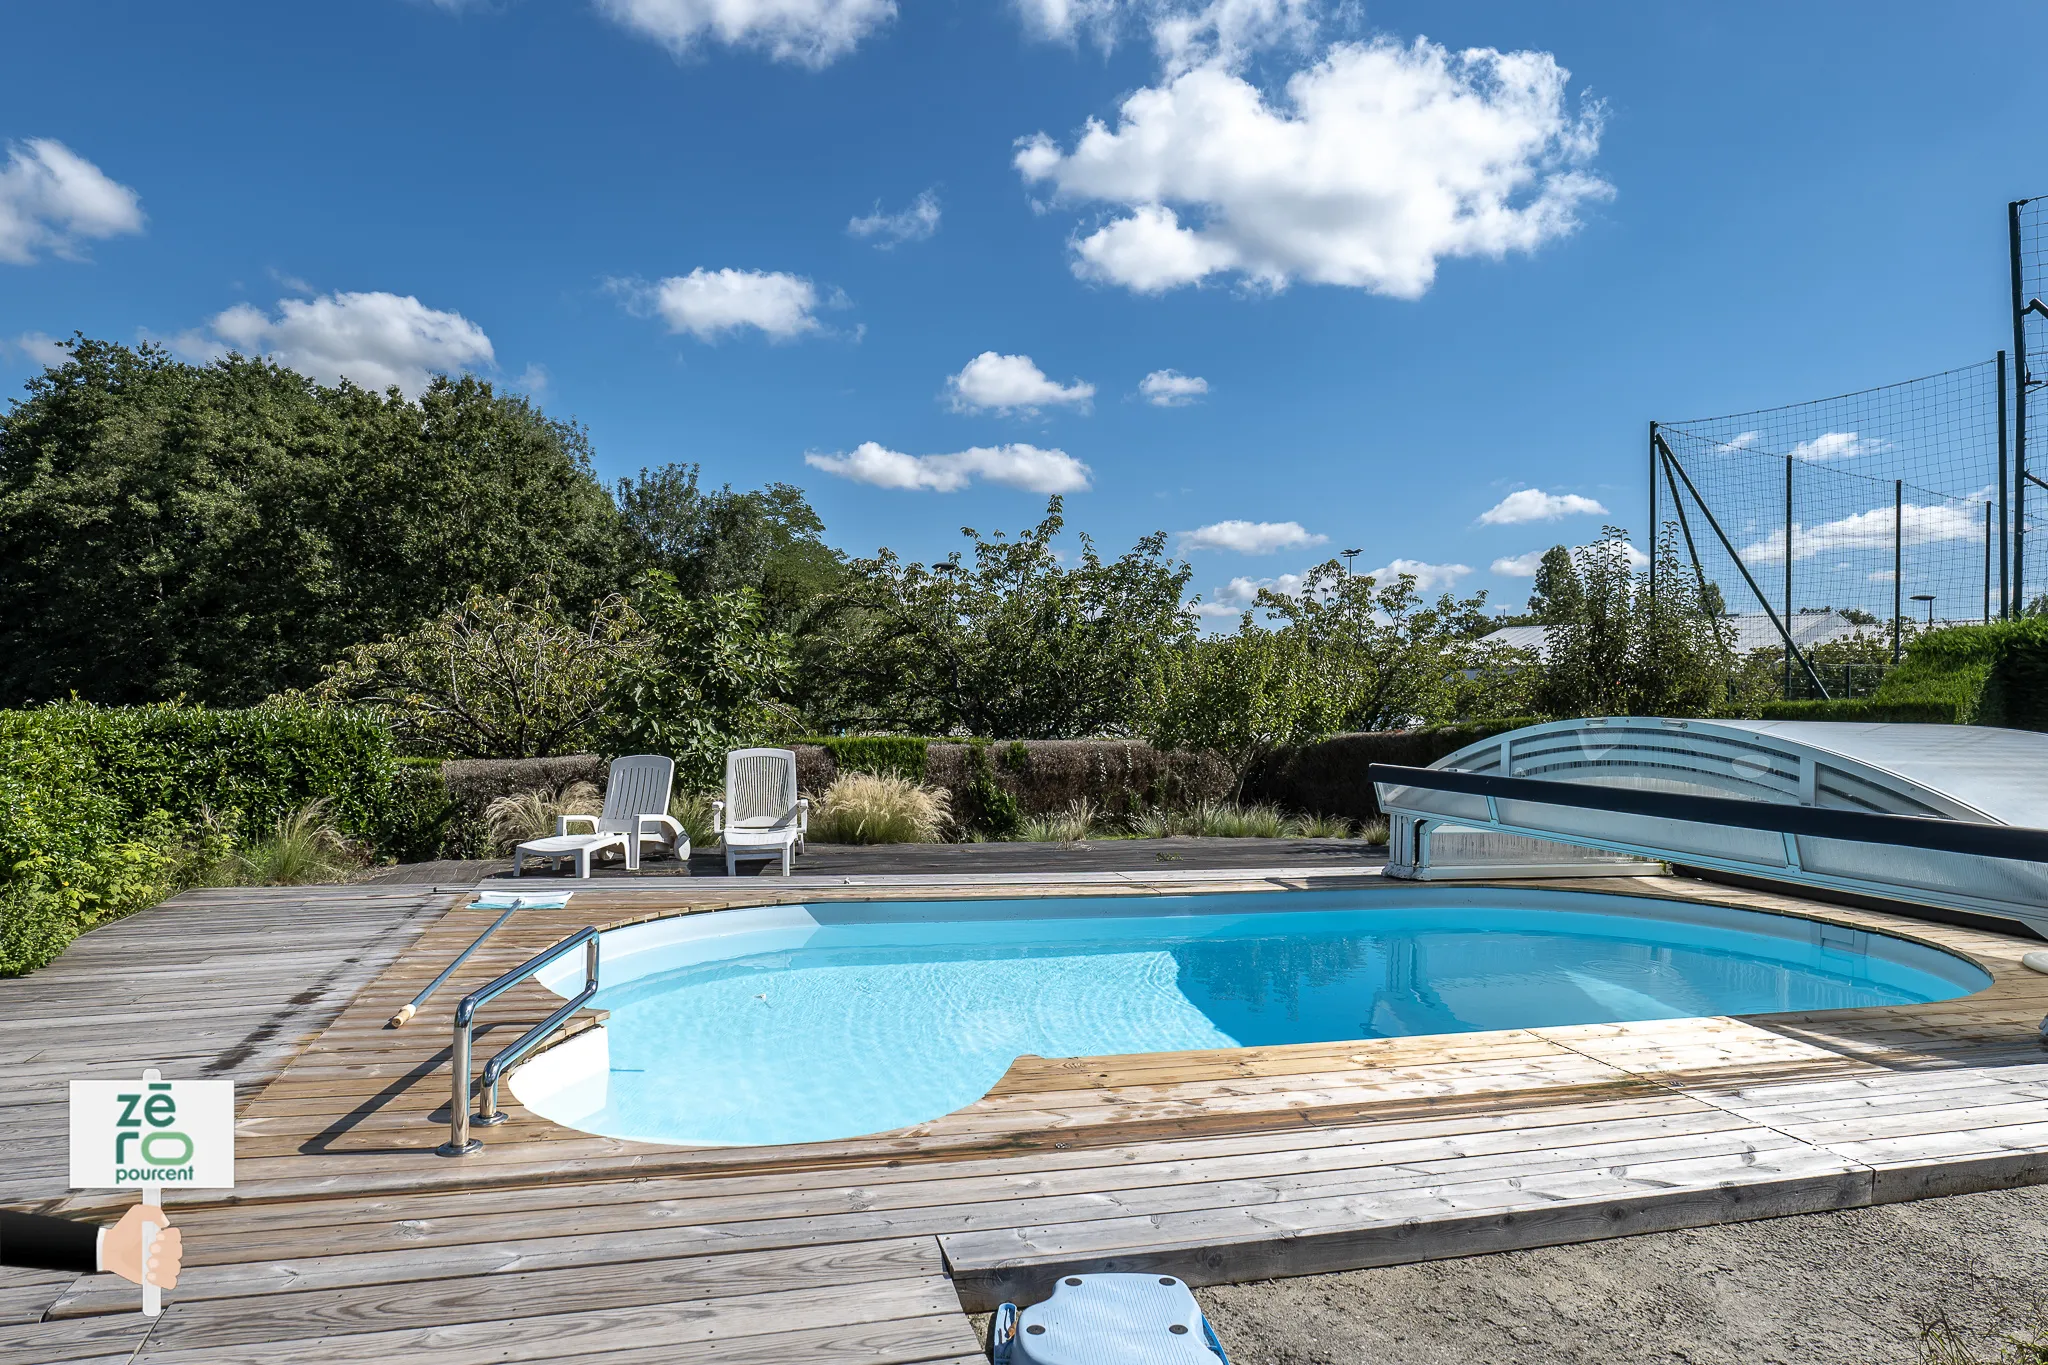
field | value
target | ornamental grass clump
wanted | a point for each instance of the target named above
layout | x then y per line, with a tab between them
301	847
879	808
533	814
1077	822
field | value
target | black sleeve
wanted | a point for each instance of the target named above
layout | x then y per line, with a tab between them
34	1242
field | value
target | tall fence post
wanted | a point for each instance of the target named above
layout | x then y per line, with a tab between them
1898	558
1987	563
1789	618
2019	412
1653	512
2004	587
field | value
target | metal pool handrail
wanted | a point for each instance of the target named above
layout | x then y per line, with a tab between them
460	1143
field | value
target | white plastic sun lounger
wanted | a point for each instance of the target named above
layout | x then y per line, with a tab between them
636	799
761	816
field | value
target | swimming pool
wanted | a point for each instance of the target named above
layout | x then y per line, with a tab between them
810	1022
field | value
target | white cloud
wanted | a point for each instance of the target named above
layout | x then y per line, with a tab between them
533	379
42	349
1519	566
374	339
1245	591
1745	440
887	230
1380	160
1533	504
1061	21
1019	466
1428	577
1012	383
1836	445
1184	35
710	303
1171	388
813	33
1250	537
1525	566
52	200
1872	530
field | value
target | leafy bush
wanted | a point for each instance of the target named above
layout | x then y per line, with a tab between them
107	810
1963	675
879	808
421	819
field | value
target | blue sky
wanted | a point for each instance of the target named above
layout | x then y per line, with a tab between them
1413	283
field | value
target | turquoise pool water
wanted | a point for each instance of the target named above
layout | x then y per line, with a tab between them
796	1024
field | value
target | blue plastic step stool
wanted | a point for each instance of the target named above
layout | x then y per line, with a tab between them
1107	1320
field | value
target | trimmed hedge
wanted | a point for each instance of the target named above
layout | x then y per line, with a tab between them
905	756
1964	675
1328	776
97	803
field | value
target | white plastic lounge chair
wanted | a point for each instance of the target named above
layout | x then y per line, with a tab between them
636	798
761	816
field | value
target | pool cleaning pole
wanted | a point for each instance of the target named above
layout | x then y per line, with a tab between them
398	1020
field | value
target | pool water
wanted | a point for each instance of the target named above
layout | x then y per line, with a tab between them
797	1024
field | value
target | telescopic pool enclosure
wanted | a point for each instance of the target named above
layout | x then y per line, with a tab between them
1977	775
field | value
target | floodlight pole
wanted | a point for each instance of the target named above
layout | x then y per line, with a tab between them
2019	415
1898	558
2004	583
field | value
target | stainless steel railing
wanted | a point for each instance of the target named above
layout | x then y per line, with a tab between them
460	1143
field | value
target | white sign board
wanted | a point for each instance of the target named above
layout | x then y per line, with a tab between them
149	1132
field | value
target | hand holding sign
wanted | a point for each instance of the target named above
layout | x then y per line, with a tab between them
148	1134
122	1252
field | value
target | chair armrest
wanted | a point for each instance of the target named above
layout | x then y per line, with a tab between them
562	823
666	826
718	817
803	814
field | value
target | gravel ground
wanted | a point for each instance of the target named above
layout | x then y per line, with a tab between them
1822	1289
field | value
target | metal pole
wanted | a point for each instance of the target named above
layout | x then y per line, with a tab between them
1898	557
1740	567
2004	586
1653	512
1788	575
1684	524
1987	563
458	1086
2019	412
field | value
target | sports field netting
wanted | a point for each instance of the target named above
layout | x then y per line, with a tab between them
1906	474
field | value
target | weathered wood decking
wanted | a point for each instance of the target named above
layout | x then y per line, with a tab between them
347	1240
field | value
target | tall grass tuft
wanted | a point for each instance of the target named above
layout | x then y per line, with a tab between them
692	810
301	847
1325	827
532	814
879	808
1374	831
1079	820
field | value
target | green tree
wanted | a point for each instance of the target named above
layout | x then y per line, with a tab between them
706	675
718	541
1629	653
222	531
1559	596
497	677
1006	641
1344	653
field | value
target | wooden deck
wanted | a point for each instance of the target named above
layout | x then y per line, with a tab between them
348	1240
